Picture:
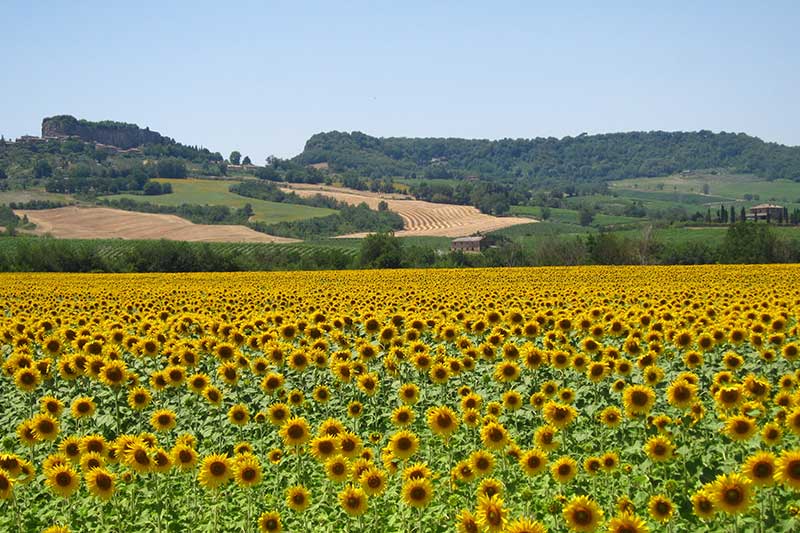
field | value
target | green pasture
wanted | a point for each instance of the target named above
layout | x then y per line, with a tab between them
215	192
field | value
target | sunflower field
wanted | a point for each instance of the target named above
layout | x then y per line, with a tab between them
624	399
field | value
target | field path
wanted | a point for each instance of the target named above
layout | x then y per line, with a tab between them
104	223
420	218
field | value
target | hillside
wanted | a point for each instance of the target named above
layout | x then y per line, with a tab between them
583	158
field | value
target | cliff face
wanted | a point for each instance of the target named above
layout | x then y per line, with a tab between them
119	134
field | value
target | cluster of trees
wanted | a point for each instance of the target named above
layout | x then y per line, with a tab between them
23	254
349	219
489	197
264	190
199	214
584	158
278	169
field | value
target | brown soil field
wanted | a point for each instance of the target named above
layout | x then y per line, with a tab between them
420	218
104	223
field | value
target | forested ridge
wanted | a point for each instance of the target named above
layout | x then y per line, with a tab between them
584	158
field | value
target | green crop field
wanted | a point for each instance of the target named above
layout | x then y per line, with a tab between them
727	186
28	195
215	192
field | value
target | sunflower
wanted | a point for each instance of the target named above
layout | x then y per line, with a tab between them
70	447
247	471
506	371
443	421
417	471
163	419
702	506
512	400
213	395
610	416
139	398
82	407
295	431
138	458
238	415
559	415
27	379
100	483
270	522
564	469
638	400
494	436
184	457
610	461
215	470
627	523
321	394
740	427
582	514
91	460
659	449
760	468
533	462
298	498
324	446
355	409
278	414
681	394
417	492
6	485
349	444
730	493
197	382
525	525
402	416
545	438
491	515
114	373
660	508
788	469
353	500
408	393
403	444
44	427
337	469
51	405
466	522
373	481
62	480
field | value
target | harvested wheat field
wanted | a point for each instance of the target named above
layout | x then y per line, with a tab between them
420	218
104	223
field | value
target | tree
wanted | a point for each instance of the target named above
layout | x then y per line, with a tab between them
42	169
246	160
152	188
383	206
3	174
545	212
381	250
170	168
235	157
585	216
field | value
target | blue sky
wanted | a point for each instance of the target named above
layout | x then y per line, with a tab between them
262	77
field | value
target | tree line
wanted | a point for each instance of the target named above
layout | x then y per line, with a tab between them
582	158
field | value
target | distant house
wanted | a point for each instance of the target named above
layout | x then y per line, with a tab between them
469	244
766	212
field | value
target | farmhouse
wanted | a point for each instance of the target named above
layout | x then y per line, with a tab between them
469	244
766	212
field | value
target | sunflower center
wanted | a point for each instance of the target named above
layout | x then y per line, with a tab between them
103	482
140	456
564	470
249	474
63	479
793	469
734	496
639	398
582	516
217	468
295	432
